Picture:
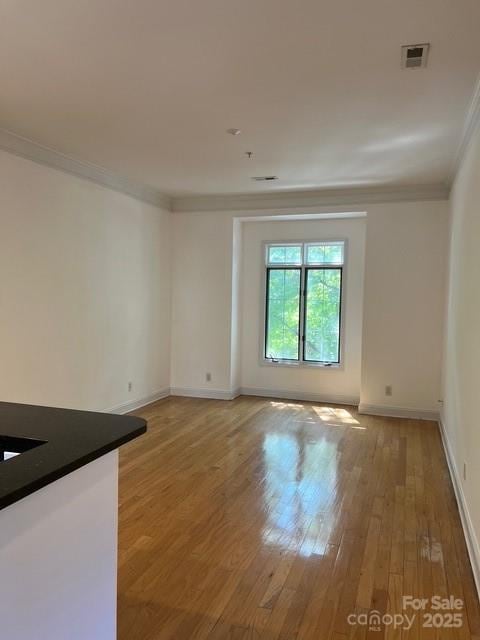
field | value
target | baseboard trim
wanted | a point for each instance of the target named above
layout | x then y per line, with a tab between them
397	412
282	394
473	546
132	405
209	394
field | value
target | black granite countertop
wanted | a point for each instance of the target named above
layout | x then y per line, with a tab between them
59	441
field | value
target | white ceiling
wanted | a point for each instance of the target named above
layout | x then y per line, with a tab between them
147	88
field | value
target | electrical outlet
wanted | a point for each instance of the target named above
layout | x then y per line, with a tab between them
208	376
464	471
388	390
130	386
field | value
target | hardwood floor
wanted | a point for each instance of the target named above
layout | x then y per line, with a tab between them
278	520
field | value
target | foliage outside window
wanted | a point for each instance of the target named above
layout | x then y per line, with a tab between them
303	302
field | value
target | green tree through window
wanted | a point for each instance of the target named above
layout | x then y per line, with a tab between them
283	303
322	315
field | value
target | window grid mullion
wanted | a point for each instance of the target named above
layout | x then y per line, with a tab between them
303	306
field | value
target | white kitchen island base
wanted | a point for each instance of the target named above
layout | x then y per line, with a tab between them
58	558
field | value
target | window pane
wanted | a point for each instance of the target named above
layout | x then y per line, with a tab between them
325	253
322	317
288	254
283	306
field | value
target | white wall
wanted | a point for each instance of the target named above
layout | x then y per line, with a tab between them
342	384
85	299
462	346
202	301
405	266
236	357
405	274
84	291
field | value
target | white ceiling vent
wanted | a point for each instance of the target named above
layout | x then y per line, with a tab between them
415	56
264	178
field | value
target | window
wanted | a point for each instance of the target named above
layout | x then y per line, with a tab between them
303	302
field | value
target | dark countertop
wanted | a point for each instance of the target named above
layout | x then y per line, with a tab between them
71	439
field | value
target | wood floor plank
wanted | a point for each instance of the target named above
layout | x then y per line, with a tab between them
280	520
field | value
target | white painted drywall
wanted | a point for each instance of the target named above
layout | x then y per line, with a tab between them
84	291
202	301
405	270
58	558
236	356
86	287
342	384
405	265
462	345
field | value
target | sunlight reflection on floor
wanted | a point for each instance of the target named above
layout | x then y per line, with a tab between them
335	416
301	475
332	416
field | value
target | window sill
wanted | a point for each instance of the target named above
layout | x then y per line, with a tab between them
301	365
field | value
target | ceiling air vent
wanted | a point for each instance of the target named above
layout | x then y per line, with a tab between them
414	56
264	178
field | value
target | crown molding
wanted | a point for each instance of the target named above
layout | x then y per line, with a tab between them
309	198
12	143
25	148
472	120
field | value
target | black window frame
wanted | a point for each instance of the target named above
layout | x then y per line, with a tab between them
305	306
267	300
302	319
